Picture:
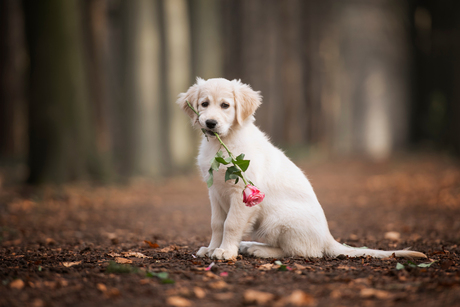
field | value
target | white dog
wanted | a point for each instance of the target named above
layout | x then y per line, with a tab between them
290	221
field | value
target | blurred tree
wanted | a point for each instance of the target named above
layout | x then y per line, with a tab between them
138	144
181	142
369	106
206	38
436	49
61	140
95	32
13	122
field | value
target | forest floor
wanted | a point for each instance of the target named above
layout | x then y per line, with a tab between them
134	245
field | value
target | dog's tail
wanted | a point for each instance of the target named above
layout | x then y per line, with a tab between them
335	249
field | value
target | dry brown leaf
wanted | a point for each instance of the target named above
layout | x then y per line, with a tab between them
211	275
113	255
297	298
266	267
38	303
299	266
220	284
50	241
122	260
392	235
112	292
168	249
101	287
152	245
69	264
199	292
134	254
50	284
300	298
178	301
257	297
379	294
17	284
345	267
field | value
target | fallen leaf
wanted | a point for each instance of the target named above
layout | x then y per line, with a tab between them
392	235
112	292
211	275
199	293
50	284
69	264
152	245
300	298
38	303
345	267
178	301
168	249
50	241
134	254
266	267
101	287
122	260
299	266
113	255
17	284
220	284
257	297
379	294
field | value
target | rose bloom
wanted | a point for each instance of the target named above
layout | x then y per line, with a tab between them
252	196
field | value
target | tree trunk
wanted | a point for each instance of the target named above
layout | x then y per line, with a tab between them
13	123
207	38
139	116
178	58
61	146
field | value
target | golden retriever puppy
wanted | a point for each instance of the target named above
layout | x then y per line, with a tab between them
290	221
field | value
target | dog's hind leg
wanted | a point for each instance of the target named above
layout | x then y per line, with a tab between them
265	251
245	245
260	250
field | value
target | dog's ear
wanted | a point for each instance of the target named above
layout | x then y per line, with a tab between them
192	97
246	100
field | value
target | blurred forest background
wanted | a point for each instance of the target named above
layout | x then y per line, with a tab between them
87	87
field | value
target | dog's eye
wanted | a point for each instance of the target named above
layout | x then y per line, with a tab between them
204	104
224	105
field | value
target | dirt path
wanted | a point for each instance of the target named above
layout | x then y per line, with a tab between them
62	247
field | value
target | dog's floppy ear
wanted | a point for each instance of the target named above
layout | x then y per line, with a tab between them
192	97
246	100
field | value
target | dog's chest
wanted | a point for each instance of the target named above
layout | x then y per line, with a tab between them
207	153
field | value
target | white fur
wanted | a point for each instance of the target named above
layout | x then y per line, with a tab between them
290	221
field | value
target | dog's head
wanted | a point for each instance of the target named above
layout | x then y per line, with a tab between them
222	104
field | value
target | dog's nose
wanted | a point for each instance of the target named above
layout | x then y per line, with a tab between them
211	123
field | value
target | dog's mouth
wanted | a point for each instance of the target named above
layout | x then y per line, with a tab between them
210	132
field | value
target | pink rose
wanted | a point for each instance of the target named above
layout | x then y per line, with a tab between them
252	196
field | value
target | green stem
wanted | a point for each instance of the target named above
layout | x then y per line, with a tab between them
193	109
233	158
222	143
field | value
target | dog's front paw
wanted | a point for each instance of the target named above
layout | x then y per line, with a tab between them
223	254
205	251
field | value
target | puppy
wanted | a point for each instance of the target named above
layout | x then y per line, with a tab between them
290	221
